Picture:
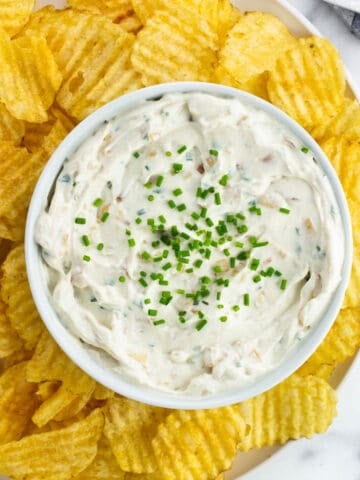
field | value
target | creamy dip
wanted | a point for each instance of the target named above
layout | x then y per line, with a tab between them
194	240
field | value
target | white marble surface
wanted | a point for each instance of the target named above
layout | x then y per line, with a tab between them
334	455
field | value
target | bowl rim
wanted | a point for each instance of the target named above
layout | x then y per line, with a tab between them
67	341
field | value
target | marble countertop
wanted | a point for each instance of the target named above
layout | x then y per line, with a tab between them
336	454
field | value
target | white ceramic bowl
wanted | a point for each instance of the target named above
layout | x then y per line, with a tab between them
78	351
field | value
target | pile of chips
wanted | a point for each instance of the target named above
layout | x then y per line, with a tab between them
56	68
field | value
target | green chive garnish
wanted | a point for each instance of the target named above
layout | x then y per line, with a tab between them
98	202
158	322
181	149
151	198
104	216
168	154
136	154
236	308
143	282
131	242
138	220
122	279
100	246
284	210
166	266
177	192
246	299
254	263
147	301
80	220
86	258
213	152
171	204
223	318
177	167
217	198
223	180
85	240
198	263
283	284
201	324
181	207
256	279
305	149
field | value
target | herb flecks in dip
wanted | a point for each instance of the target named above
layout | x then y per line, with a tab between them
195	240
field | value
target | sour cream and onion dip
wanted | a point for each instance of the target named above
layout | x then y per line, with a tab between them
192	243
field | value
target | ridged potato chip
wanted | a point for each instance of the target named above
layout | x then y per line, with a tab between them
130	427
49	363
11	129
30	77
10	341
15	358
130	23
17	403
345	123
104	466
114	9
198	444
102	393
14	14
164	49
298	407
19	172
60	454
251	48
341	342
15	292
308	82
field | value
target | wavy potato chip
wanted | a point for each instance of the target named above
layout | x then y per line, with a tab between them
14	14
252	47
345	123
11	129
17	403
130	23
130	426
30	77
198	444
297	407
15	358
15	292
10	341
308	82
114	9
102	393
60	454
163	50
341	342
19	172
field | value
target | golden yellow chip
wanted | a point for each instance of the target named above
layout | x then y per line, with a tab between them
102	393
49	363
308	82
14	14
341	342
17	403
11	129
130	426
345	123
198	444
15	292
114	9
164	49
130	23
104	466
298	407
30	77
46	390
15	358
256	85
10	342
59	454
251	48
19	172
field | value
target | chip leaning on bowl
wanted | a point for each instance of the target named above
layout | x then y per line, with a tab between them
55	421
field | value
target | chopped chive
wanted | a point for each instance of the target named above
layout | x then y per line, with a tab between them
104	217
242	229
213	152
162	219
148	185
180	291
227	252
305	149
177	167
283	284
217	269
151	198
136	154
239	244
246	299
147	301
243	255
143	282
217	198
270	271
143	274
146	255
207	253
254	263
152	312
166	266
201	324
181	207
236	308
168	154
209	222
232	261
131	242
203	212
179	267
223	318
260	244
100	246
171	204
181	149
198	263
256	279
138	220
189	270
158	322
159	180
163	282
284	210
223	180
86	258
80	220
177	192
122	279
277	273
98	202
220	306
195	215
85	240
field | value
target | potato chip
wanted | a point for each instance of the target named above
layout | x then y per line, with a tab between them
130	23
130	426
46	390
298	407
102	393
114	9
308	82
19	172
345	123
10	342
11	129
15	358
251	48
164	49
17	403
14	14
341	342
104	466
15	292
256	85
59	454
30	77
198	444
49	363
